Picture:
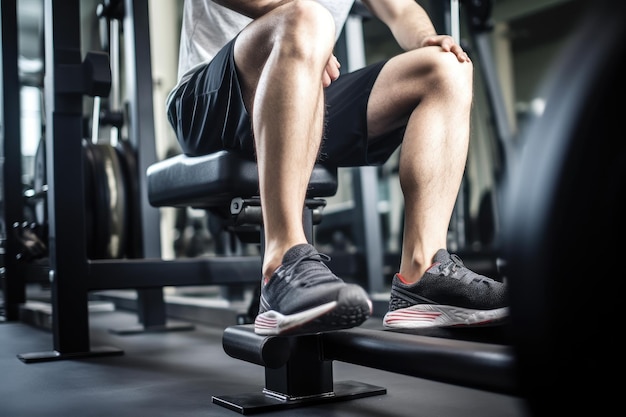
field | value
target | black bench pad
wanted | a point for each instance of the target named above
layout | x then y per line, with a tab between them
467	363
214	180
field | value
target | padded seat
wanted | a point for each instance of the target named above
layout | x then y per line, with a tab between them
213	180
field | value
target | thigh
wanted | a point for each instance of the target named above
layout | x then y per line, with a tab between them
405	81
208	113
347	141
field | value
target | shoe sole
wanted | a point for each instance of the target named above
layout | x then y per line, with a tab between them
324	318
422	316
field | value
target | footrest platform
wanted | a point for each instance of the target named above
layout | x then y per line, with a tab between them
264	401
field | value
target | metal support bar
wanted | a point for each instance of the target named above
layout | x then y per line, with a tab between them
455	24
466	363
368	230
366	227
142	136
286	382
154	273
141	124
13	283
64	131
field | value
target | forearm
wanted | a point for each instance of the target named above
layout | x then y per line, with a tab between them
251	8
408	21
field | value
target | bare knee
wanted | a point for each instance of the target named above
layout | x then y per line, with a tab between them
448	78
306	30
307	15
294	37
298	29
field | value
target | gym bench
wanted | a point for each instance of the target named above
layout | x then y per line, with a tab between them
485	366
227	185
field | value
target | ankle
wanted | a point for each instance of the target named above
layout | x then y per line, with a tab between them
413	275
273	258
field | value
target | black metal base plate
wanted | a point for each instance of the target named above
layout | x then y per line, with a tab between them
175	327
259	402
54	355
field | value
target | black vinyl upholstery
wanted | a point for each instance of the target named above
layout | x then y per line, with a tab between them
214	180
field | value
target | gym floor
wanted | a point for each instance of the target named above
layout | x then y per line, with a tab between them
176	373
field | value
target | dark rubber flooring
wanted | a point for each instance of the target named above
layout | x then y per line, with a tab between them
175	374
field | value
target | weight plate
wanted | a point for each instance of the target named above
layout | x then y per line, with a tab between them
106	196
88	163
563	220
109	211
40	183
128	161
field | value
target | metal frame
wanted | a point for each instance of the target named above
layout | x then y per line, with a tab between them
482	365
72	275
12	281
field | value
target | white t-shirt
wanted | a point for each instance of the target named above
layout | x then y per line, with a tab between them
207	27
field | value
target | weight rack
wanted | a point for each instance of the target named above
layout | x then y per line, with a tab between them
71	274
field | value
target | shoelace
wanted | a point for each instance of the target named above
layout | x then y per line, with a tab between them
455	264
318	276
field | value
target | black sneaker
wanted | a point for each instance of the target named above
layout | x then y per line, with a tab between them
448	294
304	296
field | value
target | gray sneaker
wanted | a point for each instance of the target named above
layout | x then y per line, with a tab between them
303	296
447	295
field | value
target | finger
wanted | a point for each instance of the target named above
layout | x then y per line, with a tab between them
332	69
326	80
460	53
447	43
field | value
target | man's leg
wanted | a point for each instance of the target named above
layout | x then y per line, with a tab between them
432	95
281	60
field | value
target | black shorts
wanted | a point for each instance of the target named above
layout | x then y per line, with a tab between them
208	114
